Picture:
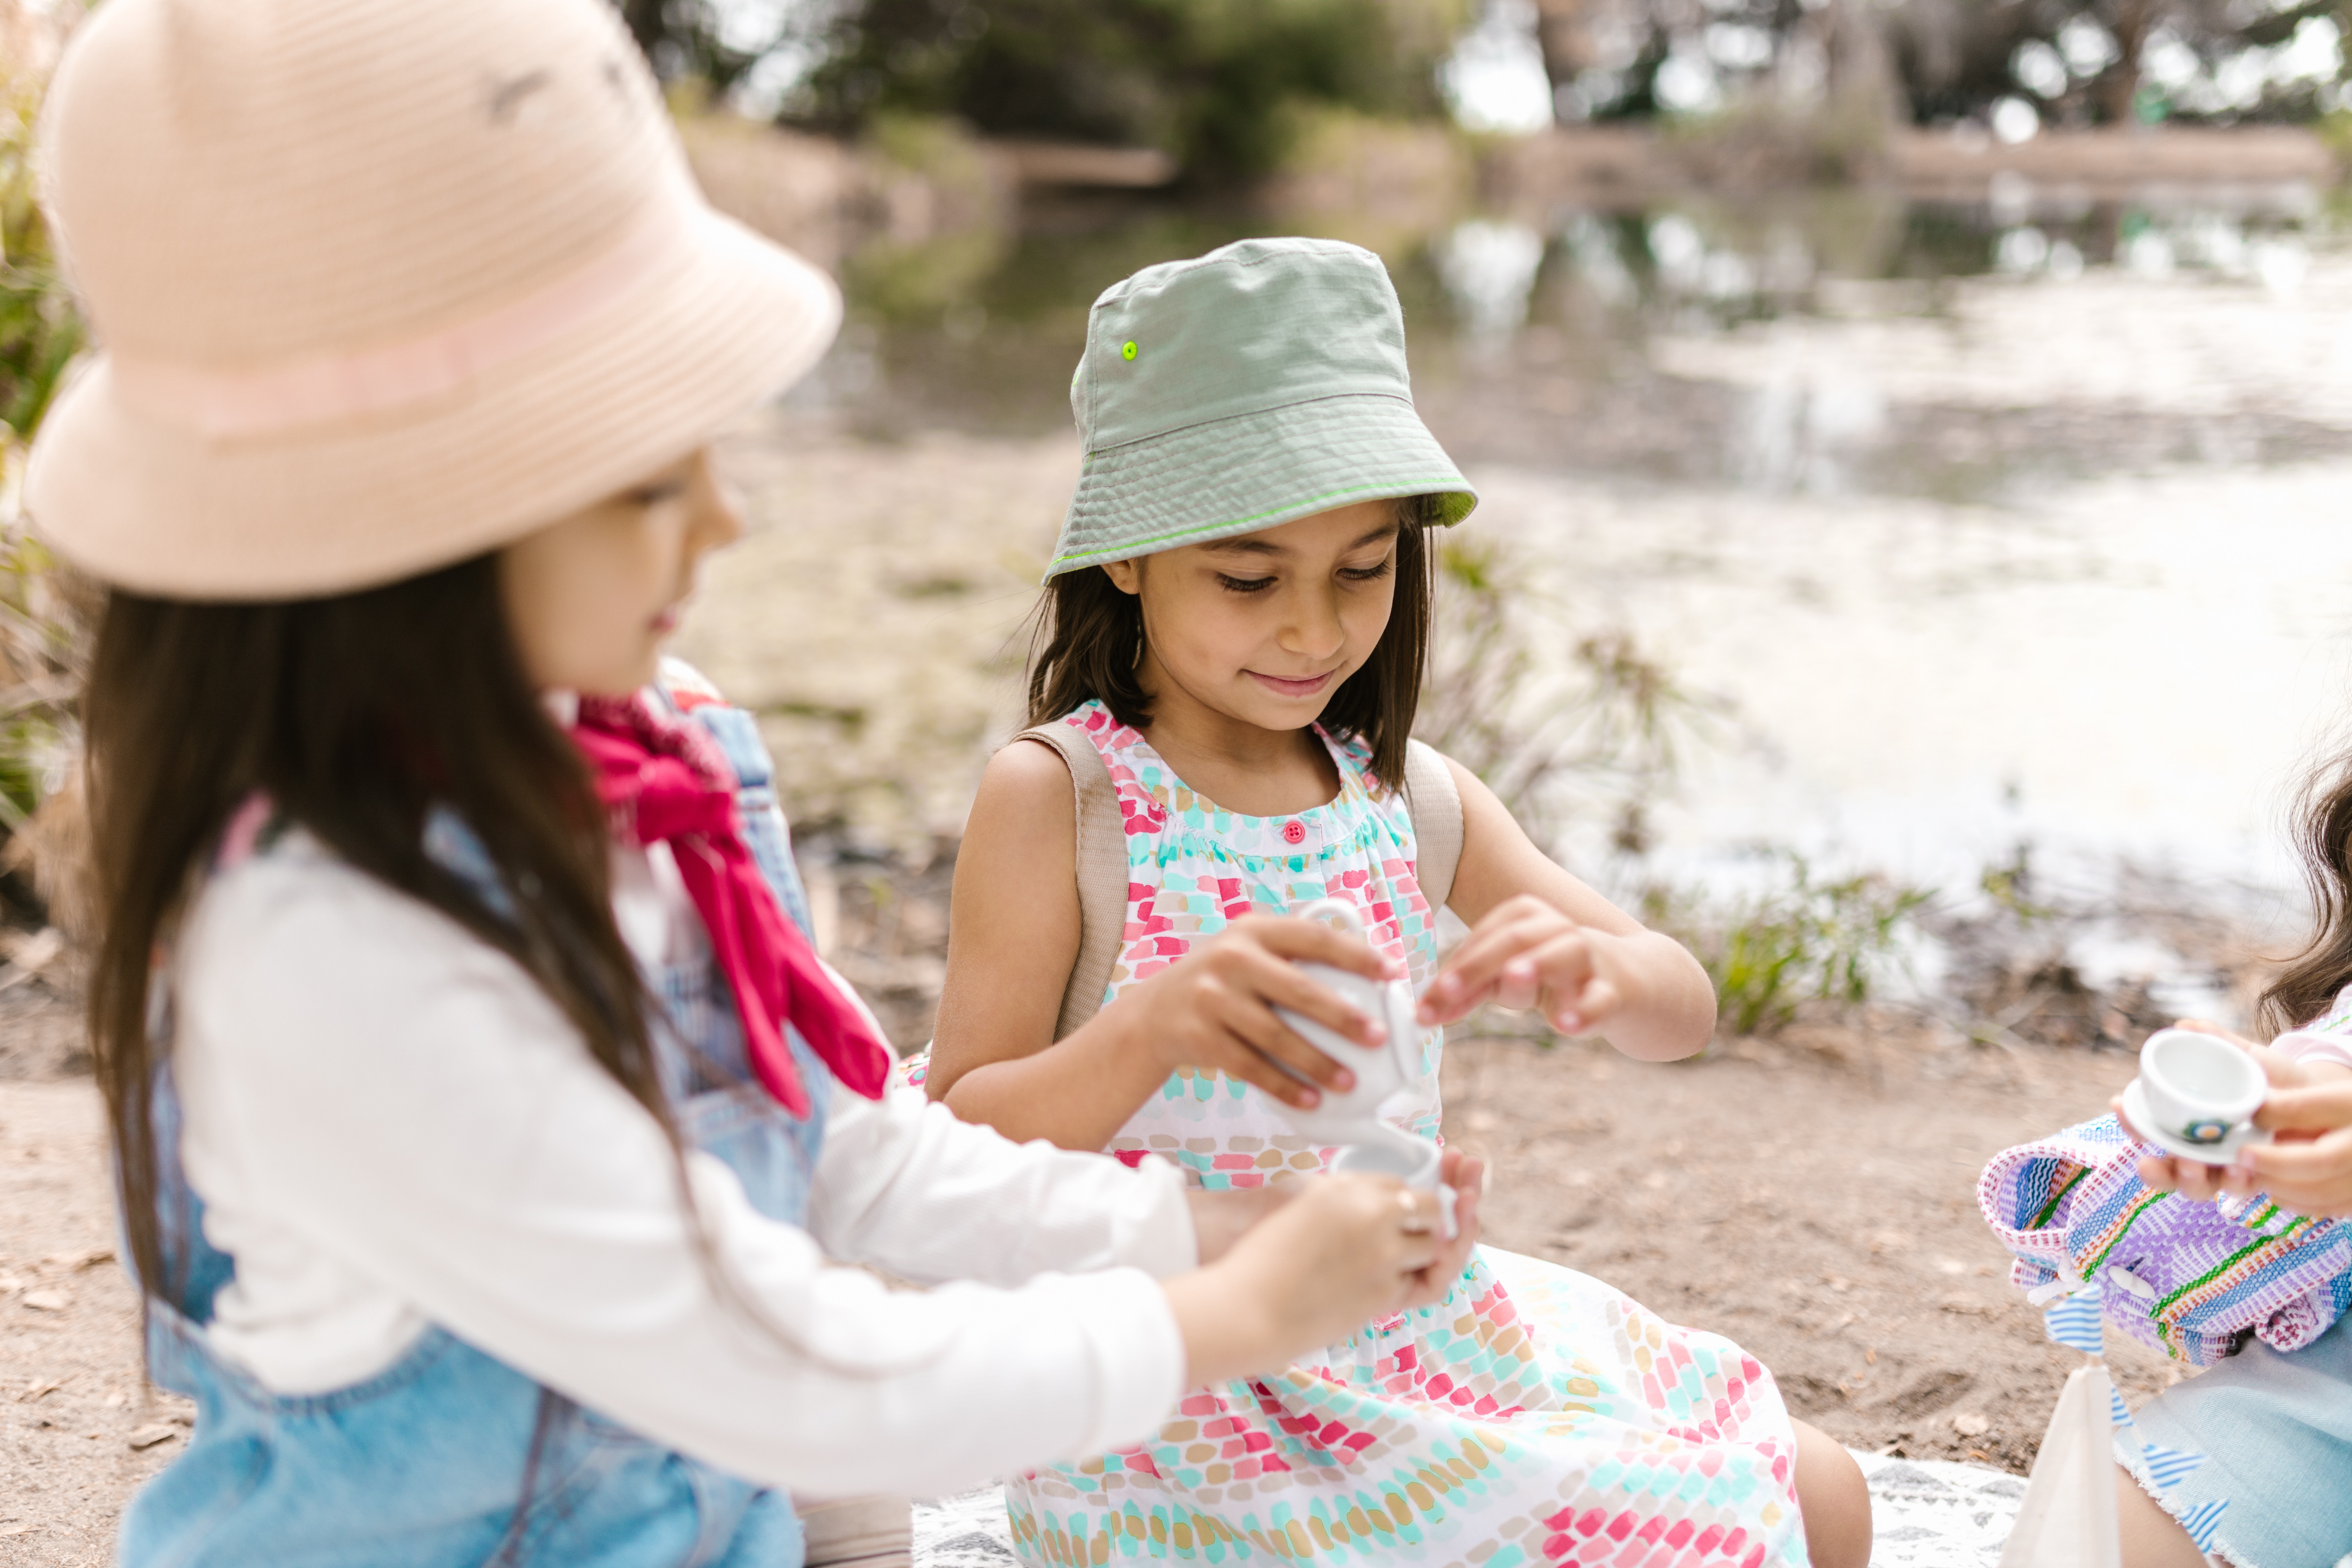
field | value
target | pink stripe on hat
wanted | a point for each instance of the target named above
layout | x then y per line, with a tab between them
320	390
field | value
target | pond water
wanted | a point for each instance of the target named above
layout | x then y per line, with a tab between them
2016	521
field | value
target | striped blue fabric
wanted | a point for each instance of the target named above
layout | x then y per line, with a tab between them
2031	1195
2167	1468
2116	1413
2075	1323
2202	1523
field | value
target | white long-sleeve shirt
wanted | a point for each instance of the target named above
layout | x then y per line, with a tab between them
392	1126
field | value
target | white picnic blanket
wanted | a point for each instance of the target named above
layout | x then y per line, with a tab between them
1928	1514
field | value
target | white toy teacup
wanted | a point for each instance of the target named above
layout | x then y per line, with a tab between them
1381	1070
1353	1119
2196	1095
1389	1150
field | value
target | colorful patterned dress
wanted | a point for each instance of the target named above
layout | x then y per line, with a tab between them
1534	1415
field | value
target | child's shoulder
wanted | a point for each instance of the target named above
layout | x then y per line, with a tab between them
1027	775
685	687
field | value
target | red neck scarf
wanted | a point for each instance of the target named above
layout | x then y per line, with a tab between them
666	782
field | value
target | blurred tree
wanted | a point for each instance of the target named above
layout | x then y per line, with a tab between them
38	328
686	40
1211	81
40	334
1564	33
2103	61
2089	61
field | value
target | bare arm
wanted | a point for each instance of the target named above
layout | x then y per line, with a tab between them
1012	937
1541	937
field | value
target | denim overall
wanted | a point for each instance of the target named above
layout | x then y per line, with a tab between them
424	1465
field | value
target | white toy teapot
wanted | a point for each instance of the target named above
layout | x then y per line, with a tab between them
1353	1119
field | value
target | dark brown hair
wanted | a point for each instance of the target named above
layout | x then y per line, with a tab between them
1089	643
2322	835
356	715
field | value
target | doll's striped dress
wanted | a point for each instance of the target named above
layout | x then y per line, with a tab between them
1534	1415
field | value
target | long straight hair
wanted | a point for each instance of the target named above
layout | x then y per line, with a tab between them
1087	645
2323	836
356	715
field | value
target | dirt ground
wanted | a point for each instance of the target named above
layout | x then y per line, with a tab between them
1813	1197
78	1427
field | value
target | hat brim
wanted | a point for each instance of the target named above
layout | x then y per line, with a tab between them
1254	472
333	508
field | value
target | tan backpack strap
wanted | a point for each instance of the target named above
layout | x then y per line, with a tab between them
1436	803
1102	872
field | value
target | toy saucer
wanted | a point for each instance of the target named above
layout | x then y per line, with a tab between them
2143	1121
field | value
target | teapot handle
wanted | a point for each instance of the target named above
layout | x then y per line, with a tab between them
1333	912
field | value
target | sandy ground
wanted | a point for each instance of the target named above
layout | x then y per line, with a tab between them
1812	1197
79	1426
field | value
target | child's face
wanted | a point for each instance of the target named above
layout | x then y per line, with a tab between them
1266	627
593	597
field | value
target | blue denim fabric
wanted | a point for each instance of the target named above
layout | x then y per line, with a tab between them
2274	1432
765	833
424	1465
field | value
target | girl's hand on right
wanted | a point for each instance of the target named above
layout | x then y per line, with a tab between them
1213	1009
2296	1112
2306	1168
1346	1251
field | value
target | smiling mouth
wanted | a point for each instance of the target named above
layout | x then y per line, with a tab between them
1281	687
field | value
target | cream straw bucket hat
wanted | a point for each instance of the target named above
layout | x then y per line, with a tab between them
380	285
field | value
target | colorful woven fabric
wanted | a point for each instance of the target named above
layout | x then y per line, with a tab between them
1533	1417
2191	1279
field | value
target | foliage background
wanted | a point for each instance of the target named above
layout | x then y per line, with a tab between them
39	333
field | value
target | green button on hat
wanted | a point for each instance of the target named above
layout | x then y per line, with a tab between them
1259	384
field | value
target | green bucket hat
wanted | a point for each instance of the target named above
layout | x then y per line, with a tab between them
1261	383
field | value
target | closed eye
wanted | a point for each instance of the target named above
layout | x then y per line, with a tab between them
1368	573
659	493
1246	584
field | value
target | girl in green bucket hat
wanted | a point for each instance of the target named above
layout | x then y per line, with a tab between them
1231	645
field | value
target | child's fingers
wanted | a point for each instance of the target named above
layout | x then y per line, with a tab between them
2166	1172
2283	1072
1476	967
1276	984
1244	1061
1312	941
2320	1196
1276	1060
2200	1027
1451	1004
2134	1133
1598	1001
1468	1177
1519	984
1272	1055
1564	976
2194	1180
2326	1159
2322	1108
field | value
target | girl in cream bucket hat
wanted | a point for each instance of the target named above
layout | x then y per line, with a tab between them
487	1129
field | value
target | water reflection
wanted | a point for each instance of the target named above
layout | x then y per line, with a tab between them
1489	269
1571	343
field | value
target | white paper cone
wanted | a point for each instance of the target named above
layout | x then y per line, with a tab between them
2068	1517
867	1531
